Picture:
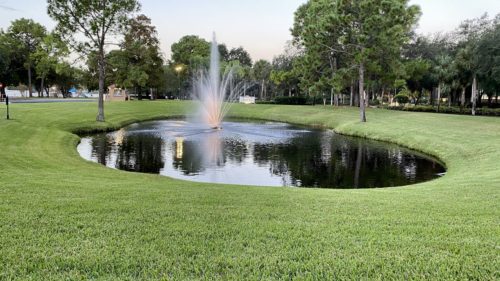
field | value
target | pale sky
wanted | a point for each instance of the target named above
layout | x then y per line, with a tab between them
260	26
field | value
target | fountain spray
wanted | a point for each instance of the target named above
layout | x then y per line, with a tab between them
215	92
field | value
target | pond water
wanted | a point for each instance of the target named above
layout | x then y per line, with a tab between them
258	153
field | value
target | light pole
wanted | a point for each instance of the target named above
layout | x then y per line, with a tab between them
7	103
178	69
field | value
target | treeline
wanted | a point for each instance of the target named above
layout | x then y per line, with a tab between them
353	53
32	58
192	53
368	51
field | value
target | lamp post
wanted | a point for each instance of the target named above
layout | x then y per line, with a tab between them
7	103
178	69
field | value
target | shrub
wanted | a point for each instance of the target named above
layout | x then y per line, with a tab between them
291	100
448	110
265	102
402	98
317	100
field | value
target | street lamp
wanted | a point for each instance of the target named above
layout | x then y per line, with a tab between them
7	104
178	69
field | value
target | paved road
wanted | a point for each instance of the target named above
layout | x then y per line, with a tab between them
51	100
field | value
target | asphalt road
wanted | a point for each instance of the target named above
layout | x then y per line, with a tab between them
49	100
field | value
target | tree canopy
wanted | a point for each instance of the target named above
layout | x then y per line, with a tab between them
342	35
95	20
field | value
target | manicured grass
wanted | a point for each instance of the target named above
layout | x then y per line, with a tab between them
65	218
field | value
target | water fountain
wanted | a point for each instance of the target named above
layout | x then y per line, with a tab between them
214	92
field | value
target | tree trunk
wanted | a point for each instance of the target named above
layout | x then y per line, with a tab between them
264	89
261	90
351	98
356	96
332	95
462	98
439	97
30	88
138	92
474	95
383	94
102	61
40	94
362	101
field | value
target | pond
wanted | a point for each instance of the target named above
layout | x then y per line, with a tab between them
258	153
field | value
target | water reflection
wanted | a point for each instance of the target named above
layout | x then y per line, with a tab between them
273	154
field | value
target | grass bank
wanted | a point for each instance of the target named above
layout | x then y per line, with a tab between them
65	218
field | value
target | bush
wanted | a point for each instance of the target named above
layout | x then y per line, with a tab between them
291	100
317	100
402	98
448	110
264	102
374	102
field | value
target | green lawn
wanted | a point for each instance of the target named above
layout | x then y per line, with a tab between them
65	218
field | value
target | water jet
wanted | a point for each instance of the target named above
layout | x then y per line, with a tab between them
214	92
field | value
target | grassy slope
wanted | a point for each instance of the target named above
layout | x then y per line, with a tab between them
63	217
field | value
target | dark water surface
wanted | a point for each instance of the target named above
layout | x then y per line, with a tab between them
258	153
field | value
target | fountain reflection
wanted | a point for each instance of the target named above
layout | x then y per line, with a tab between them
212	152
179	148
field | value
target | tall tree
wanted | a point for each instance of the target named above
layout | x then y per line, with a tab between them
468	36
190	54
444	73
364	33
189	49
26	36
416	71
487	58
47	56
261	72
95	20
284	74
240	55
139	62
223	52
5	59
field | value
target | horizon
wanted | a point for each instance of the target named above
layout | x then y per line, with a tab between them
264	38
